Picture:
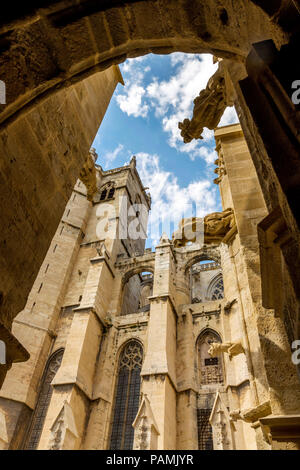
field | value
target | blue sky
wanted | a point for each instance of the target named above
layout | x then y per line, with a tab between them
142	120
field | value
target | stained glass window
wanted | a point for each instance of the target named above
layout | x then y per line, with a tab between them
127	396
43	400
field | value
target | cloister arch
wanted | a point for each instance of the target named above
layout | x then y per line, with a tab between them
67	42
44	51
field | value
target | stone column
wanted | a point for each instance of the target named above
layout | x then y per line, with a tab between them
187	432
159	368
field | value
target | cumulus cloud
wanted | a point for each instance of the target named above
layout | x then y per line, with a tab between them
170	201
132	99
171	100
131	103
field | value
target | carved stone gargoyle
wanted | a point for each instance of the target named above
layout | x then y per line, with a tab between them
217	225
232	349
214	228
88	174
209	107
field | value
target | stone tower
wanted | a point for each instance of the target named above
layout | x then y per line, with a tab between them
167	349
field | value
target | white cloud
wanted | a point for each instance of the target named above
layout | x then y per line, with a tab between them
229	117
170	201
132	98
172	99
131	102
109	157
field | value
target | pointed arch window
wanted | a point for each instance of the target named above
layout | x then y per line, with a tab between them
210	369
127	396
44	398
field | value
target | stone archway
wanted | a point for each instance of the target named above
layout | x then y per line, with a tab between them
50	53
57	46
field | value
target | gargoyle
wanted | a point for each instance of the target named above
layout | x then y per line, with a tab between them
212	229
209	107
232	349
217	225
228	305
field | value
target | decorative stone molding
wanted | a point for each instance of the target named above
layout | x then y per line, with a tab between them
232	349
222	425
145	427
220	170
63	430
88	174
282	428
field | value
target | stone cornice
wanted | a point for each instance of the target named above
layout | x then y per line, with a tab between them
282	427
90	309
164	298
102	259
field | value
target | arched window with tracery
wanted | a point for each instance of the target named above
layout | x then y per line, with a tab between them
210	369
216	289
107	192
127	396
44	398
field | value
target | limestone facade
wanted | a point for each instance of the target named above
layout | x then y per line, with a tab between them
52	57
182	347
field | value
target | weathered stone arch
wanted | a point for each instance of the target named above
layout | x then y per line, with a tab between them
138	269
209	254
66	43
215	336
45	51
204	331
